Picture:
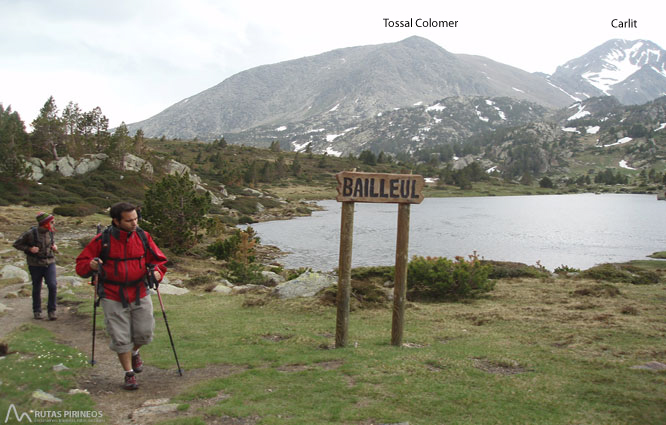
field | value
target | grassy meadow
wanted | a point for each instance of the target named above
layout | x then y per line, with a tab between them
553	351
556	350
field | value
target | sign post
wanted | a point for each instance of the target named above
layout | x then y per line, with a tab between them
402	189
344	274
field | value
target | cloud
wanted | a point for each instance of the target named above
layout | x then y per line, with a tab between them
135	58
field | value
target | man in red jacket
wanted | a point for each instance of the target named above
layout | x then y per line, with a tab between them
122	257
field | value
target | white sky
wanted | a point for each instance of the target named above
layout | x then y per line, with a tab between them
135	58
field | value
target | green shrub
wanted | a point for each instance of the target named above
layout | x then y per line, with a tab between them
443	279
225	249
378	272
76	210
269	203
228	248
621	273
565	270
294	273
246	220
244	204
511	270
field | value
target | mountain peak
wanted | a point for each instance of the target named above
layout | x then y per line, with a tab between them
614	68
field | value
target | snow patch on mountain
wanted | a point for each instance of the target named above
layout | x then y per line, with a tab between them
562	90
619	142
331	151
480	115
623	164
580	114
435	107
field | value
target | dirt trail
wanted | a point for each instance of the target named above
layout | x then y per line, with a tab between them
104	380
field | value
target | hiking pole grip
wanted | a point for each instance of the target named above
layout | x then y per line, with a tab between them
166	322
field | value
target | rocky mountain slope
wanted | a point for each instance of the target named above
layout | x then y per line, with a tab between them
350	84
632	71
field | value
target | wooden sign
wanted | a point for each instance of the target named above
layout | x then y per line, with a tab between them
380	187
403	189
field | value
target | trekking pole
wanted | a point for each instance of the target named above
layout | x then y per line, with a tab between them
151	277
95	282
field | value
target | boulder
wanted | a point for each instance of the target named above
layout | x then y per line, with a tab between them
223	190
64	166
152	409
10	271
272	279
37	168
244	289
252	192
89	163
43	396
165	288
70	281
222	289
176	168
134	163
305	285
654	366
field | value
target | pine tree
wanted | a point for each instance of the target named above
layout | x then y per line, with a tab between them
175	213
49	131
13	142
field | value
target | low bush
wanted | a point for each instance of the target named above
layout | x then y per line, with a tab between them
225	249
444	279
565	270
76	210
383	273
246	205
621	273
511	270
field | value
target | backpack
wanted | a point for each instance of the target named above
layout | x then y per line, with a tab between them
104	256
35	241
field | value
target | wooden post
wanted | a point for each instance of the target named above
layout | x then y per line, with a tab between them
344	274
400	287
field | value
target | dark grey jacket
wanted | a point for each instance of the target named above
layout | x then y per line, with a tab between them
43	240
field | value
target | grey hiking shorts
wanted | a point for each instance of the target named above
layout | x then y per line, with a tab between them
128	326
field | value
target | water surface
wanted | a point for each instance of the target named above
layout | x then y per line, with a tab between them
574	230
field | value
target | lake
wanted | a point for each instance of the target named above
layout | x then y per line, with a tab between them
574	230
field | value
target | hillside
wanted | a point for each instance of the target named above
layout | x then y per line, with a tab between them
337	88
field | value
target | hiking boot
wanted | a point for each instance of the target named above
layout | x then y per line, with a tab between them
52	315
130	381
38	315
137	363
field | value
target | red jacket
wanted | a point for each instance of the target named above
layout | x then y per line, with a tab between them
126	263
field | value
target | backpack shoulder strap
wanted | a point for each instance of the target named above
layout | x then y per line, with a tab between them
35	235
106	241
144	240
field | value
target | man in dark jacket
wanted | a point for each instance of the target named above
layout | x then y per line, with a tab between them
123	266
40	249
